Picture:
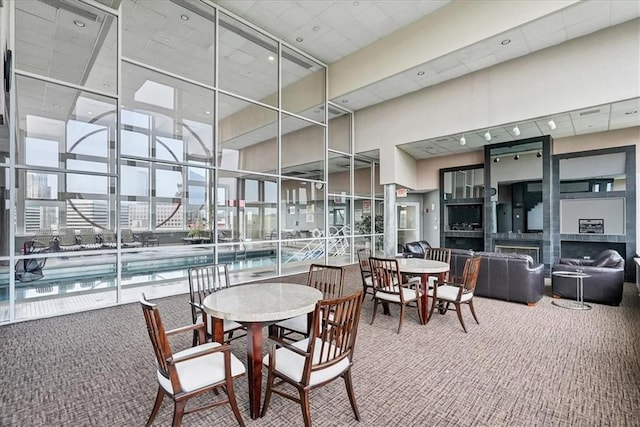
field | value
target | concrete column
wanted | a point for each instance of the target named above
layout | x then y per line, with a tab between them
390	224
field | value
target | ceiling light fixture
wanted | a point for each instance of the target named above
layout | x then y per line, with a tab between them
463	140
505	42
299	39
316	28
516	157
420	73
628	113
487	136
345	101
496	160
516	130
207	112
79	23
271	58
184	17
552	124
539	154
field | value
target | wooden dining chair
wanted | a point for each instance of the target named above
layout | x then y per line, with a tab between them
389	288
191	372
328	279
365	271
434	254
204	280
448	293
325	355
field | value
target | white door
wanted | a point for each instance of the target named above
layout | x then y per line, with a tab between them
408	220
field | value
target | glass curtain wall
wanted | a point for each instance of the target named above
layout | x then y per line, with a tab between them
151	137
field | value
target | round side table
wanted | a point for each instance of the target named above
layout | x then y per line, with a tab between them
579	304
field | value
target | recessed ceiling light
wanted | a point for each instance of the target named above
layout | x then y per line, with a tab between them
271	58
628	113
505	42
184	17
106	85
316	28
79	23
56	105
207	112
299	39
166	39
90	113
420	73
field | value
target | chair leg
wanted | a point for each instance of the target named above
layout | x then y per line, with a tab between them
434	302
267	394
232	401
195	338
375	310
459	313
473	312
350	393
178	412
306	409
401	317
156	406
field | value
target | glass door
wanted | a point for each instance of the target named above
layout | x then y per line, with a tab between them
408	217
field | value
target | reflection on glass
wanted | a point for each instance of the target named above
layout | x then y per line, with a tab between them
362	177
243	256
246	207
339	129
303	85
247	136
83	41
517	177
593	174
165	35
301	209
302	148
248	61
339	169
165	118
464	184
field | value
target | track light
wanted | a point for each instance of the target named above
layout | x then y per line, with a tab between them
552	124
516	157
496	160
463	140
539	154
487	136
516	130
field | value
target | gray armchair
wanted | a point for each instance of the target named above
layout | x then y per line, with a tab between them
605	284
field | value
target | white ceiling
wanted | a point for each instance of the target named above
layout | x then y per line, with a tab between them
334	29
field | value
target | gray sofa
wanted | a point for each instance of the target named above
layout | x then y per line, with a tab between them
604	284
505	276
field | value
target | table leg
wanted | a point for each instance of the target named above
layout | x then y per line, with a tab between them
424	287
218	330
254	367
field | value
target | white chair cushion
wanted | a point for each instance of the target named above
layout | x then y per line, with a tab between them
409	295
291	364
298	324
201	371
229	325
417	279
368	281
450	293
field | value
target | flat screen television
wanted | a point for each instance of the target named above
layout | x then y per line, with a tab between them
464	217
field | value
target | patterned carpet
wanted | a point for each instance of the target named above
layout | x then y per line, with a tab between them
522	366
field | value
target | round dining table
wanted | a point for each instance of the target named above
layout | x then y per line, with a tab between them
424	268
255	306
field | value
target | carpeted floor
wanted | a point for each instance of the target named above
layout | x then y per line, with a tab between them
522	366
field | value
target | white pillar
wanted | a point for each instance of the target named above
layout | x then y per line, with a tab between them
390	225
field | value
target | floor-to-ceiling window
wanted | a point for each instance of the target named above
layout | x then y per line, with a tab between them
153	136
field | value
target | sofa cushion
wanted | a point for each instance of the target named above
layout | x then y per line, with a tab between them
607	258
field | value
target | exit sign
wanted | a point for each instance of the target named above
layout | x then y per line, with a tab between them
401	192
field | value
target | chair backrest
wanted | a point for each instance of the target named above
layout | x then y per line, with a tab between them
67	237
363	257
470	274
203	280
385	276
328	279
438	254
157	334
333	333
127	235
